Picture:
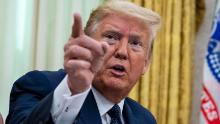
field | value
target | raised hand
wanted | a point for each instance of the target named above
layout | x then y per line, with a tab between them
83	57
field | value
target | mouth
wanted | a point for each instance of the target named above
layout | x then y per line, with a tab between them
118	70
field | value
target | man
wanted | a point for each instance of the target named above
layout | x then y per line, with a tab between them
101	65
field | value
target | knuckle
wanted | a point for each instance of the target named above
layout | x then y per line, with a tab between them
66	46
80	64
72	50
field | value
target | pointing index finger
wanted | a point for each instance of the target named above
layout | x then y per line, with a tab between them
77	28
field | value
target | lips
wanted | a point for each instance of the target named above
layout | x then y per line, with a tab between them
118	70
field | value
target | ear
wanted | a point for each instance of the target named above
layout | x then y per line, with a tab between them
147	62
148	58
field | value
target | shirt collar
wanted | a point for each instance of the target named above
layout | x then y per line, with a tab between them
103	104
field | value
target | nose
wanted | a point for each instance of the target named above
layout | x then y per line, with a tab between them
121	50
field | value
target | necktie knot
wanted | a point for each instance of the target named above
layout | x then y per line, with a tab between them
114	113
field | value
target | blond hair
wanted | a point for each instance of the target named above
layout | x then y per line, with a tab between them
150	18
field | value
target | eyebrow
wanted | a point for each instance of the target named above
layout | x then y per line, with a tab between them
133	36
113	32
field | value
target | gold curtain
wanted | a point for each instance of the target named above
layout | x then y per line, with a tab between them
166	88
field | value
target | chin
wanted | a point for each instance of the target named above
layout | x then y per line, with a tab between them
107	82
115	83
112	87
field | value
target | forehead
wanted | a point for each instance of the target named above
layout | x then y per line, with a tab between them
125	24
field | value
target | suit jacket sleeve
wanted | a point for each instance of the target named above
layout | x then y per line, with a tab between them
31	97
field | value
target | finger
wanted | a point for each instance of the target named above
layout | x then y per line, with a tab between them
78	52
91	44
87	42
76	65
98	61
77	28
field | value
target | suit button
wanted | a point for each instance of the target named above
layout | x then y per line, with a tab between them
67	109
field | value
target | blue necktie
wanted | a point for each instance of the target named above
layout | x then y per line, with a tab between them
114	113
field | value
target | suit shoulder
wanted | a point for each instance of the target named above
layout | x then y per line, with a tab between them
143	113
50	75
41	81
31	93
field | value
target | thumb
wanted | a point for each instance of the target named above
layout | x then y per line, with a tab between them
77	28
105	47
98	61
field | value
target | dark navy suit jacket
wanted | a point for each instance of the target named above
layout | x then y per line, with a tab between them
31	99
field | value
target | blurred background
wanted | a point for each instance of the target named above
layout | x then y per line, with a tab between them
33	33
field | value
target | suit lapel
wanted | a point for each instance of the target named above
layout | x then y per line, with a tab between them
129	115
89	113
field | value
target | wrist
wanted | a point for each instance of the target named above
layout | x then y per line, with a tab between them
76	89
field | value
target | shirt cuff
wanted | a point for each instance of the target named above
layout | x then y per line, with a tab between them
65	107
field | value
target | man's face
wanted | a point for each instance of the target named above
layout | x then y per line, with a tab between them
127	57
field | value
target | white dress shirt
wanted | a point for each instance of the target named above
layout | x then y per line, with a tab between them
65	107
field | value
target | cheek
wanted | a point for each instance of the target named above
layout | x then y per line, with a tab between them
137	65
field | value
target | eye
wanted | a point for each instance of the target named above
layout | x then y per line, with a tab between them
136	44
110	38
